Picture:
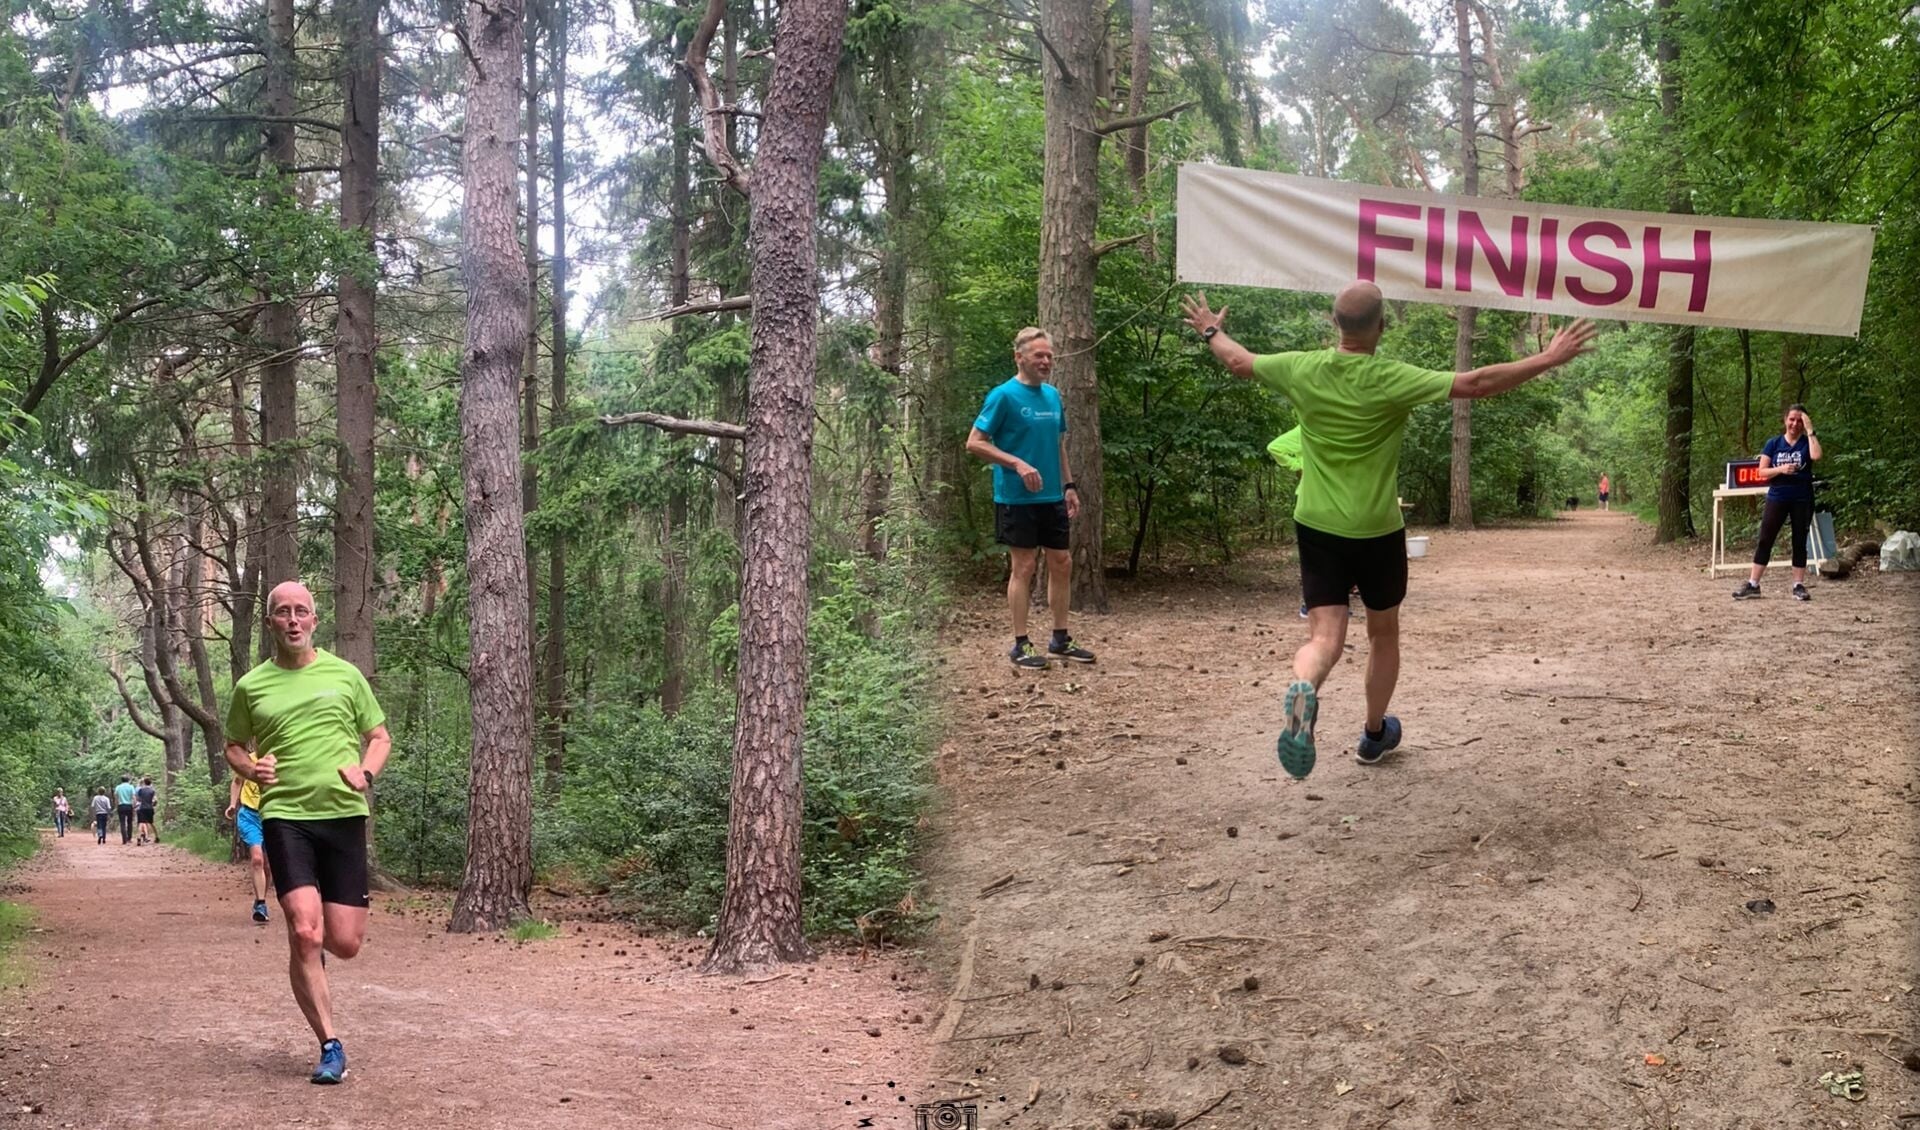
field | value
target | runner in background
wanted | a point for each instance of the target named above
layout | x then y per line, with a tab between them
243	808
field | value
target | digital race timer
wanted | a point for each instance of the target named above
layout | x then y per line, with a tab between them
1744	474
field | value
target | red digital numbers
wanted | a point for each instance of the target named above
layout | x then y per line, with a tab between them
1748	477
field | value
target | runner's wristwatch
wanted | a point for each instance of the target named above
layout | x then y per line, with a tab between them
1207	334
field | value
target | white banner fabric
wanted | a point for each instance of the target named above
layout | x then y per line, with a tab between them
1241	227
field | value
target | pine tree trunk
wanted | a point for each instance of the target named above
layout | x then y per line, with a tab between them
1460	483
1139	73
355	342
889	345
673	604
1746	391
279	327
1675	501
244	579
530	389
556	663
498	880
759	920
1069	215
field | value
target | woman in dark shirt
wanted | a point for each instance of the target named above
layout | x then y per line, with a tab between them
1787	465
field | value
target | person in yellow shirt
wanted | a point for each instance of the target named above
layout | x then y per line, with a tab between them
243	808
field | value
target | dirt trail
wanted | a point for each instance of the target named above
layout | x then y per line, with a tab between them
152	1000
1606	760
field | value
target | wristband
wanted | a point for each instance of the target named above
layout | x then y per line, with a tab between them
1070	487
1207	334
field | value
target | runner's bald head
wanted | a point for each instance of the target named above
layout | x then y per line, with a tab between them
1357	309
286	591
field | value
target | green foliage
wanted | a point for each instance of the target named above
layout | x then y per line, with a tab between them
533	930
644	804
15	921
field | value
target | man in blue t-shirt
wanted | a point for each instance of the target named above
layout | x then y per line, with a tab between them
1022	431
1786	462
123	796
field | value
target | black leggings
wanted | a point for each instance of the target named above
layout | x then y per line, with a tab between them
1801	511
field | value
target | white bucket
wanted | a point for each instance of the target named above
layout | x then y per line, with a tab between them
1417	547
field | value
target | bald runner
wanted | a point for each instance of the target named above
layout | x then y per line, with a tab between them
319	738
1353	409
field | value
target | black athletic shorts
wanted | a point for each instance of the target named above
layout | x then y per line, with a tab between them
144	815
328	854
1331	566
1027	524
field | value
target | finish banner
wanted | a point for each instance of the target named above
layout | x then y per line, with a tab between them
1240	227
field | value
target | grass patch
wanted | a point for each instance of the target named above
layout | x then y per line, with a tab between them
15	849
14	922
203	842
533	930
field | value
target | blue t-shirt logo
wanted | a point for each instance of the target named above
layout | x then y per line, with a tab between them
1795	485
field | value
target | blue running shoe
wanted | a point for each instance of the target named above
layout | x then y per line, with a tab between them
1296	741
259	910
1370	751
333	1063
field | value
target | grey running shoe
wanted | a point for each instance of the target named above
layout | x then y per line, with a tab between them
1028	655
1371	750
1800	593
1747	591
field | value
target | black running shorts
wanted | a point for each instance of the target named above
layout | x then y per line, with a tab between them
328	854
1028	524
144	815
1331	566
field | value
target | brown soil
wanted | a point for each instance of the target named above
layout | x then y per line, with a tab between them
1606	759
152	1000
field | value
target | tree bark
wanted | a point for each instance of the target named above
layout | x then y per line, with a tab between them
1793	377
1675	501
355	341
556	662
279	325
759	921
1746	391
247	550
530	390
1139	73
1070	213
673	557
498	879
1460	483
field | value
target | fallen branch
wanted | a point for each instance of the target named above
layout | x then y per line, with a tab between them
1197	939
1205	1110
1865	1033
997	1035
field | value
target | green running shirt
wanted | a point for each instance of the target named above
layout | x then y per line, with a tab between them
310	720
1353	411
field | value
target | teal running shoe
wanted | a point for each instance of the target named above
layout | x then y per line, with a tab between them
1296	741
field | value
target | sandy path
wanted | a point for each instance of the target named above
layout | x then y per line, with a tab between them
1606	760
152	1000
